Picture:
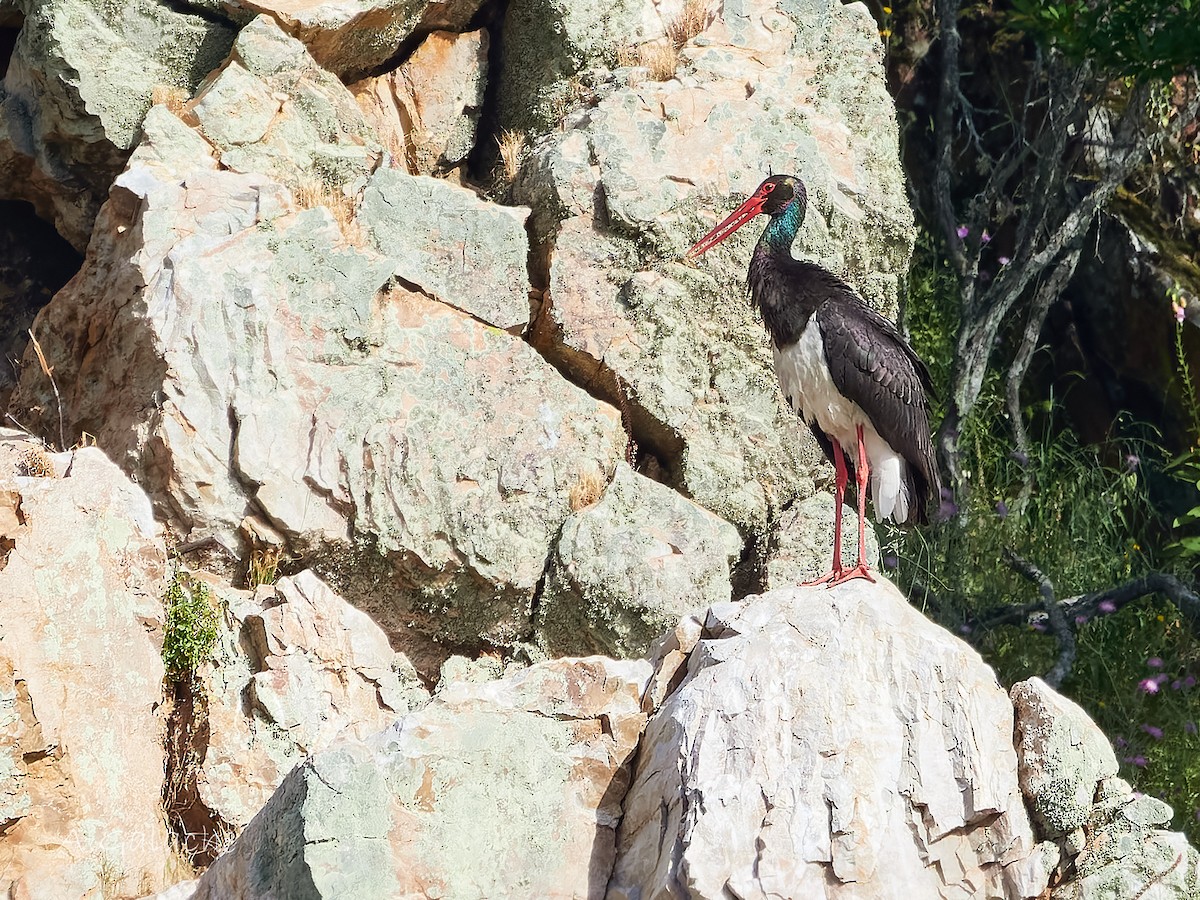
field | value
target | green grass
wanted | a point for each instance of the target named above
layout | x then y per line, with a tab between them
1088	523
190	631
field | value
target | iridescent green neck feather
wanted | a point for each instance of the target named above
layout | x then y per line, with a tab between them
782	229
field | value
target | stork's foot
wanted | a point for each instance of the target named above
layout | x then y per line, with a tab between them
859	571
829	578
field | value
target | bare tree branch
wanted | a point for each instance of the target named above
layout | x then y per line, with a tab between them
1058	622
1088	606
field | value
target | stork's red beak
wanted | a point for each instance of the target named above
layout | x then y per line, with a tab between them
735	220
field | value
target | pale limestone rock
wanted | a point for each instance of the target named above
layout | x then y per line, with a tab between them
549	45
77	86
1126	856
295	669
1117	846
801	543
426	111
351	37
505	788
828	743
272	110
422	457
758	90
461	250
630	565
1063	756
81	681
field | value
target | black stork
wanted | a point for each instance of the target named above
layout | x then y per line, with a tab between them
842	365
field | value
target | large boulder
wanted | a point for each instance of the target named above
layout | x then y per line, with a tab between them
81	679
622	189
80	79
629	565
1115	840
828	743
505	788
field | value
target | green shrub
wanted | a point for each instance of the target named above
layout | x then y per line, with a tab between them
190	632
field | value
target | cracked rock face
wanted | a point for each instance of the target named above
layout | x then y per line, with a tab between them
296	668
292	378
82	574
818	747
626	568
509	787
626	184
79	82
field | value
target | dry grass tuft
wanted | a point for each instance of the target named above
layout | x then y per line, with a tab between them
587	489
263	567
35	462
513	147
312	192
692	20
661	60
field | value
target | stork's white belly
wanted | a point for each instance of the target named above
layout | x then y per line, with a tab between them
809	389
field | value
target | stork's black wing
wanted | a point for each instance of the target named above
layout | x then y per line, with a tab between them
872	366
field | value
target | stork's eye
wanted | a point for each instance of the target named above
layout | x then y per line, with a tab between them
768	187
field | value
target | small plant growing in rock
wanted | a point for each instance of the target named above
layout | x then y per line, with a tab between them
588	486
263	567
692	20
513	146
312	192
190	632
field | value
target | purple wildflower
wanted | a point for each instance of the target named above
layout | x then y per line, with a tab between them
1176	685
1189	682
964	629
1155	662
1180	313
1132	461
1107	607
890	561
1039	626
1003	260
962	232
1148	685
1139	761
1189	727
1002	509
985	237
1081	620
1153	730
1120	743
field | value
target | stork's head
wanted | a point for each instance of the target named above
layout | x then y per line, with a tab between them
775	196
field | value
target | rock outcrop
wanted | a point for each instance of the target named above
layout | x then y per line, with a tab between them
506	788
628	566
358	414
633	177
295	668
82	574
426	111
79	81
815	748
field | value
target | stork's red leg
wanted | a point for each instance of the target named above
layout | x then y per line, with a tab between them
841	477
860	570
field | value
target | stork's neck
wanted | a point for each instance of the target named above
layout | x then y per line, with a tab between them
781	287
781	231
